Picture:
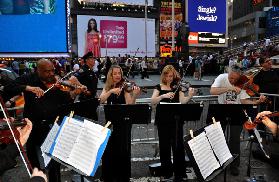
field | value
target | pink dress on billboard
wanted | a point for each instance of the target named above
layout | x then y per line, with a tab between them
93	44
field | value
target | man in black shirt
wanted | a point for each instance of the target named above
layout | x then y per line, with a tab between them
267	78
41	108
87	77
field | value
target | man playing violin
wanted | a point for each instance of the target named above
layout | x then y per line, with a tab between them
42	108
228	93
9	153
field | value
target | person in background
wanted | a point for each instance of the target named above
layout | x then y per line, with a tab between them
171	135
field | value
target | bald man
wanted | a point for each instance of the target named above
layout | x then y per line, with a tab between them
41	108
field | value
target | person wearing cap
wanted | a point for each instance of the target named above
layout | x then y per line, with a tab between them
87	77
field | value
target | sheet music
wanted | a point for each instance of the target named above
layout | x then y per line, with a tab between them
218	143
67	136
203	155
85	151
45	148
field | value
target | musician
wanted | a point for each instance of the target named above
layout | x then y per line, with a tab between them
118	150
9	153
87	77
42	108
273	148
228	93
169	137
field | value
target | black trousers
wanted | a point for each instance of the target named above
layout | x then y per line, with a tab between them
118	153
171	139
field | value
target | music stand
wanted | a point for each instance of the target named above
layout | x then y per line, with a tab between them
231	112
118	150
195	165
81	108
165	113
174	114
133	114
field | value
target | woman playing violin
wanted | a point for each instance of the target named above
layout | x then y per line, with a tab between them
118	150
169	138
114	91
41	108
9	153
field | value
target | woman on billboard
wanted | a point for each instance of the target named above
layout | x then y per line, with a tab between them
92	38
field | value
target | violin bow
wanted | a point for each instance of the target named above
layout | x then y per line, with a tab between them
18	144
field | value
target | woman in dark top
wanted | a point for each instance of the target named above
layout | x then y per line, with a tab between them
118	150
171	133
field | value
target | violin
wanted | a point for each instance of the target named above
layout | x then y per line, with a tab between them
12	132
251	88
250	125
6	136
128	86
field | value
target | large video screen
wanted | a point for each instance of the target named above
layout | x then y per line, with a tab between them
129	2
110	36
207	16
34	27
272	22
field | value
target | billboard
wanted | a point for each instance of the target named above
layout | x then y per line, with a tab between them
129	2
166	25
207	15
116	35
207	20
272	22
32	29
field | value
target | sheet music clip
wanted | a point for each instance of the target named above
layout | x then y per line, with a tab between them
201	104
214	121
57	118
71	115
191	133
106	126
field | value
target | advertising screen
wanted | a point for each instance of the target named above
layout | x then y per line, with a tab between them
207	15
272	22
34	27
111	36
130	2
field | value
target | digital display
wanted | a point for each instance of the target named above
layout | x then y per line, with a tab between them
29	27
272	27
130	2
207	15
115	35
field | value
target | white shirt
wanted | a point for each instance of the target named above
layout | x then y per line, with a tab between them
95	67
229	97
76	67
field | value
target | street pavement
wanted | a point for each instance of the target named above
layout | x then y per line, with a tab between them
144	150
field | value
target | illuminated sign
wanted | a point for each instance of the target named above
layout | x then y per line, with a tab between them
207	15
206	38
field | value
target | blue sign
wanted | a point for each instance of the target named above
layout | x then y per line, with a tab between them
207	15
34	29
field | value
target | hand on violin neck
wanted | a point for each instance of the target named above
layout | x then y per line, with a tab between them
262	99
191	92
136	91
25	131
36	90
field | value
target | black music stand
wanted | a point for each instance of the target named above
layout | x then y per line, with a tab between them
119	146
195	165
228	113
85	108
166	113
